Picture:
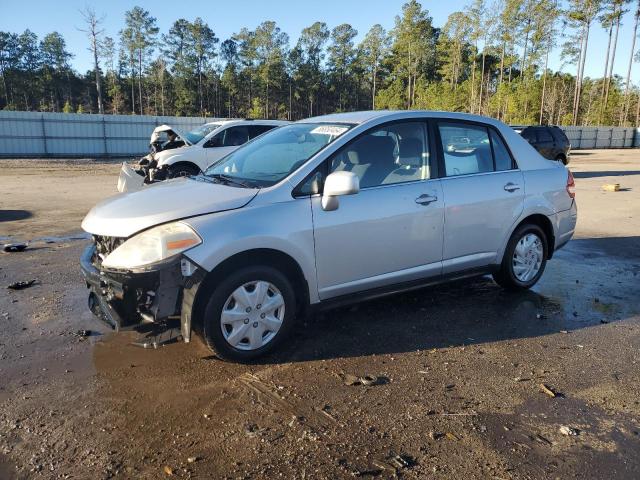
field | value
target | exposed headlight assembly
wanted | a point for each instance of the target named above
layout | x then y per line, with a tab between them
152	246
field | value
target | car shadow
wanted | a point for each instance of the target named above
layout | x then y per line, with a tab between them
13	215
613	173
469	312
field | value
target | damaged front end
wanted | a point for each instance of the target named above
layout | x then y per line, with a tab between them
134	178
127	299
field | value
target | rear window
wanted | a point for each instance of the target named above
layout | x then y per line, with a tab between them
544	135
528	134
559	134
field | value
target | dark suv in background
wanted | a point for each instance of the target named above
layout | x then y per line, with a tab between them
549	140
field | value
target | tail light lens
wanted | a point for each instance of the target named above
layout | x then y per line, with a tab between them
571	185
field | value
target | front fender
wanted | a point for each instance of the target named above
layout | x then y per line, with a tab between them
286	227
191	157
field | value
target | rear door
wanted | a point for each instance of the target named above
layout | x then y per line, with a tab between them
483	193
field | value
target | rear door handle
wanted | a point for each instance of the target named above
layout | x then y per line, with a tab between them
511	187
426	199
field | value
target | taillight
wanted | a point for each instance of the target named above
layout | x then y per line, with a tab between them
571	185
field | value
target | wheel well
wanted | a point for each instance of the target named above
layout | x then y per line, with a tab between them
545	224
184	163
260	256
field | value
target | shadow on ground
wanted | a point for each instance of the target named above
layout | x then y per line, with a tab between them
612	173
13	215
591	281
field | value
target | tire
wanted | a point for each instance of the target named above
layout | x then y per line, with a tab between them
182	170
249	344
511	274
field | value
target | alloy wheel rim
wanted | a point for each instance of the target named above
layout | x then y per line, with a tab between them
252	315
527	257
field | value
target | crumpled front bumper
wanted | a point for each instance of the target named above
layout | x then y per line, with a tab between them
129	179
125	300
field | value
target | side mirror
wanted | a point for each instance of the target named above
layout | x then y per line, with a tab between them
337	184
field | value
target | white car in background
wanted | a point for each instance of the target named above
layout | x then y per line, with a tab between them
202	147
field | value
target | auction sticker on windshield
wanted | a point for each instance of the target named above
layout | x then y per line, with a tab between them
332	130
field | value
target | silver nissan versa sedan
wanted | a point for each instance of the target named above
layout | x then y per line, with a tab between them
324	211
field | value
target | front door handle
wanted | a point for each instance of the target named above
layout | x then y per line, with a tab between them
511	187
426	199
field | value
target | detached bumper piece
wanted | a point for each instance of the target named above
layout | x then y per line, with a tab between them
144	301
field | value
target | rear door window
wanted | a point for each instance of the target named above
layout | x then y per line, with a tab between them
500	152
466	148
470	148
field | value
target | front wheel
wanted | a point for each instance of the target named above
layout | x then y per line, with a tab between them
524	258
249	313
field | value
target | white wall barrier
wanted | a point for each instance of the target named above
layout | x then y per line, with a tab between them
71	135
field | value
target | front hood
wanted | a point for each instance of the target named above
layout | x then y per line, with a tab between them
128	213
155	135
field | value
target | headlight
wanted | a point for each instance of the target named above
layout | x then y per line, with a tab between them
153	245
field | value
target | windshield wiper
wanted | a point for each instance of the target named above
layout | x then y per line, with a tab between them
230	179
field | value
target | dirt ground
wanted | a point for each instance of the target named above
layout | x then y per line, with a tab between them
459	366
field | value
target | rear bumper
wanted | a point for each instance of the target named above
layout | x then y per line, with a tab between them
124	300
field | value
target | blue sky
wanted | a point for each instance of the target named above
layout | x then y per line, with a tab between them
226	18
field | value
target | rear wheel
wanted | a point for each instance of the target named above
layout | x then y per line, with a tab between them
249	313
561	158
182	170
524	258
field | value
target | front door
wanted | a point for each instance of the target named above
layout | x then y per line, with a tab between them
483	192
391	231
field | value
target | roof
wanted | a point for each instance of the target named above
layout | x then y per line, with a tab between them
247	121
358	118
348	117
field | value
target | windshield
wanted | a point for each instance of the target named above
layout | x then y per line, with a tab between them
194	136
273	156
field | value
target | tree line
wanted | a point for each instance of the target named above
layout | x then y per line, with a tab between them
489	58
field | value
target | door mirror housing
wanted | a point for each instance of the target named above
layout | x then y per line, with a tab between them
336	185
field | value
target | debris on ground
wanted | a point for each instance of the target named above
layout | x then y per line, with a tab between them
402	461
611	187
21	285
15	247
568	431
82	333
192	459
547	390
366	380
168	470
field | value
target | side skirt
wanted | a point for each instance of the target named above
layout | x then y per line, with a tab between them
371	294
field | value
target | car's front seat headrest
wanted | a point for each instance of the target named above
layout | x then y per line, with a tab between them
371	149
410	152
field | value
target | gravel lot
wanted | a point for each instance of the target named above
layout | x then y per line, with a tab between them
459	367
